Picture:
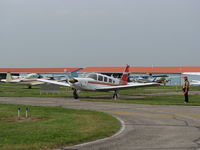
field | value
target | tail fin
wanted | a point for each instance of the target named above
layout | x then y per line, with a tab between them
8	77
124	78
69	75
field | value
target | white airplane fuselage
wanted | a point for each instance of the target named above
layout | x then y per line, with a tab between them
92	84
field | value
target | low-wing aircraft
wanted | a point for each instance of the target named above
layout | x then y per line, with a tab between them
193	82
99	82
192	73
30	79
163	79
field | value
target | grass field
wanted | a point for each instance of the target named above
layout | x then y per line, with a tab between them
175	98
51	127
20	90
154	96
154	100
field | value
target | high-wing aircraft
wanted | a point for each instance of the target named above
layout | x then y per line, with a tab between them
193	82
30	79
99	82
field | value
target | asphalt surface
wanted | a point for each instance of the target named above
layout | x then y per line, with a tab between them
146	127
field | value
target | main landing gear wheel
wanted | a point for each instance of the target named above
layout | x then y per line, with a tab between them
115	95
75	94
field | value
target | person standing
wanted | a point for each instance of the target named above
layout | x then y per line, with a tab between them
186	86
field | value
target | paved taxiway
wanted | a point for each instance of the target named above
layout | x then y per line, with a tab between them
147	127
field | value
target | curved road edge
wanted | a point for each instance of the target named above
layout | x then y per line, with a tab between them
123	126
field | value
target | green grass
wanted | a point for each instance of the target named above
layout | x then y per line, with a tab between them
176	98
155	100
14	89
18	90
157	89
51	127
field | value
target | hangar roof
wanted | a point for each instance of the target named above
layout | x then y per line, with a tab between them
141	69
103	70
37	70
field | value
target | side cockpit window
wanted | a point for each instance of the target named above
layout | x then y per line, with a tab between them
105	79
100	78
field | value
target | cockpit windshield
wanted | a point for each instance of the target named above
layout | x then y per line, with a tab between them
93	76
32	75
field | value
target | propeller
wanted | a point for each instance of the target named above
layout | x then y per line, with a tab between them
72	80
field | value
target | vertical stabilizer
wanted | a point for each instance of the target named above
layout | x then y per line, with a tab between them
8	77
124	78
69	75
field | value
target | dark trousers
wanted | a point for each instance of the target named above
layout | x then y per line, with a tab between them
186	95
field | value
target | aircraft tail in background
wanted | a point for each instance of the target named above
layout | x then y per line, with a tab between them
8	77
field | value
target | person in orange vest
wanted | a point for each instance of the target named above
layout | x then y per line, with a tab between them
186	86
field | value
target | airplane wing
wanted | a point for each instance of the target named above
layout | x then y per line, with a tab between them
13	81
129	85
195	82
36	83
54	82
191	73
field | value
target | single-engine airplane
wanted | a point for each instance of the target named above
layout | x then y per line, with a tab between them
29	80
150	78
100	82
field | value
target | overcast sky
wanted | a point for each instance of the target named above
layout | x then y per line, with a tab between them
81	33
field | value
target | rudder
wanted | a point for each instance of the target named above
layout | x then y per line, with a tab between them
8	77
124	77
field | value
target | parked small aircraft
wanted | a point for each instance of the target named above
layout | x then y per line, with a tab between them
163	79
192	73
193	82
99	82
30	79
